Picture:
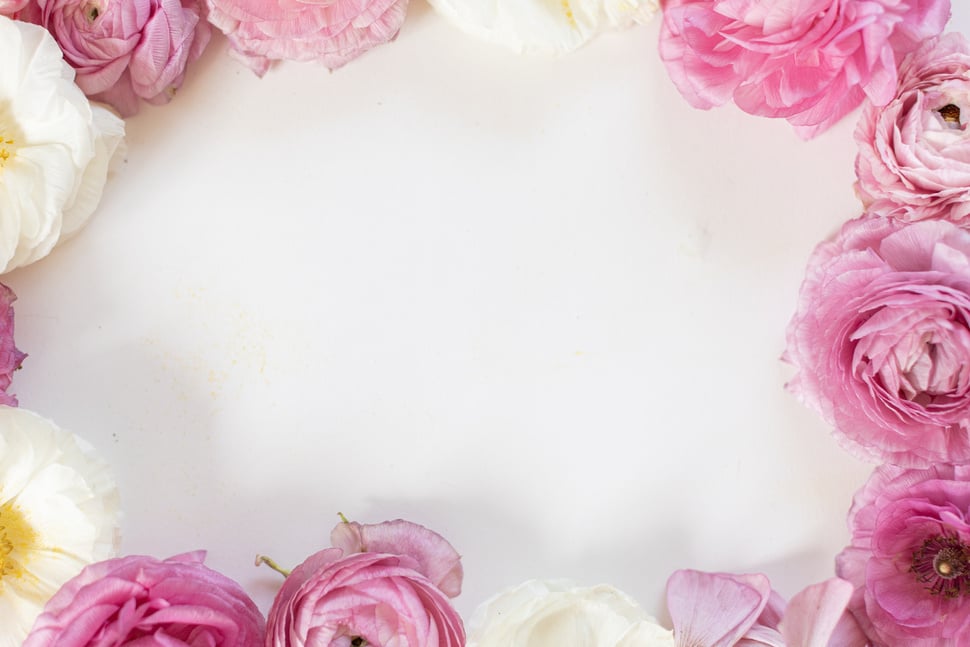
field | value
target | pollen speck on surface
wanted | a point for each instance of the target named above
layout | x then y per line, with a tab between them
17	539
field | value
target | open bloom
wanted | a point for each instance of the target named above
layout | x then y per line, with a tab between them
909	557
55	147
809	62
881	340
10	357
542	27
138	600
382	585
560	614
332	33
127	51
914	153
58	513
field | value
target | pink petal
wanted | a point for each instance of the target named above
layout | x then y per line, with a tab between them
714	609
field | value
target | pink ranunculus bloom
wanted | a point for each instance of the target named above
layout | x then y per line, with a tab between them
810	62
10	357
914	153
144	601
12	8
382	585
909	556
723	609
124	52
332	33
881	340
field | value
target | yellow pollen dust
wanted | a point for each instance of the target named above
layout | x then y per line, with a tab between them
17	539
6	150
566	7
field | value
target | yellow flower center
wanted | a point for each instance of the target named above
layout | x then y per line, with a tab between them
10	136
17	539
6	149
570	16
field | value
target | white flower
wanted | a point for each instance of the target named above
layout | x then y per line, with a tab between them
547	27
55	147
560	614
58	513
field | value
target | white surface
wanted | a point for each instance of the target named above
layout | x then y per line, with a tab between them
535	305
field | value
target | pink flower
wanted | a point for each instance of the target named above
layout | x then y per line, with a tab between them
126	51
909	557
914	153
722	609
389	595
881	340
10	357
11	8
810	61
332	33
141	600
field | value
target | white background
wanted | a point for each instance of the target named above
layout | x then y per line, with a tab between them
536	305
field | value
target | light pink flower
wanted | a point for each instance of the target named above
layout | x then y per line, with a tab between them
11	8
387	595
10	357
126	51
881	340
808	61
145	601
914	153
723	609
909	557
333	32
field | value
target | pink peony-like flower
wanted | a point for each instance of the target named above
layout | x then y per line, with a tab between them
881	340
810	62
124	52
10	357
909	556
386	596
914	153
11	8
145	601
333	32
723	609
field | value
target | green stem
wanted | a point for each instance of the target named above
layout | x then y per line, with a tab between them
268	561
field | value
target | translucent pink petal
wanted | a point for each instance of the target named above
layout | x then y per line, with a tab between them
714	609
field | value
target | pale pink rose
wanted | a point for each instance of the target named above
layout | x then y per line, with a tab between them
909	556
724	609
10	357
11	8
378	587
810	61
145	601
914	153
127	51
333	32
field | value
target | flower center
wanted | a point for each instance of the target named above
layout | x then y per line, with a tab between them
92	10
358	642
10	136
943	564
7	143
951	115
16	540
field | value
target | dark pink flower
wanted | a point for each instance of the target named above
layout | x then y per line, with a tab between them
881	340
145	601
914	153
10	357
810	62
909	557
388	595
332	33
723	609
124	52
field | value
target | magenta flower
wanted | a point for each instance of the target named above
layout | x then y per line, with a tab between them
10	357
881	340
124	52
390	595
909	557
809	62
141	600
914	153
722	609
332	33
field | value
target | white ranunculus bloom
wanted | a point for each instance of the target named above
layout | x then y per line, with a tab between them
58	513
55	147
559	614
546	27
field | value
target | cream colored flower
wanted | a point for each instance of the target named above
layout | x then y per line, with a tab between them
546	27
559	614
58	513
55	147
